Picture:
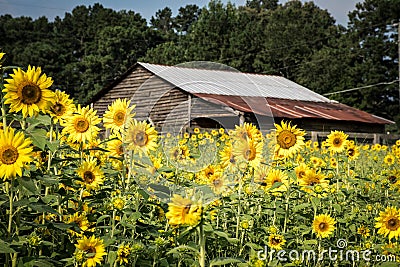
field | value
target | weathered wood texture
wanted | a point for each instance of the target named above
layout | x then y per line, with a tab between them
171	109
166	106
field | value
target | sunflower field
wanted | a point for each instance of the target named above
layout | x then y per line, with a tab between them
71	197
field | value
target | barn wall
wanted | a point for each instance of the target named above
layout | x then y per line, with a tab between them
124	89
169	107
331	125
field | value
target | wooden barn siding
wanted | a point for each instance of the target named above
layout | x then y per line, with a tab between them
329	125
124	89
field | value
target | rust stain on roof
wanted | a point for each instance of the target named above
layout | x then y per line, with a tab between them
294	109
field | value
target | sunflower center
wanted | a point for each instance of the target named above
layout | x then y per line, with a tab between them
250	153
337	142
275	241
301	174
217	182
140	138
351	152
392	179
275	181
91	251
88	176
81	125
8	155
119	149
393	224
31	94
186	209
286	139
119	117
323	226
58	109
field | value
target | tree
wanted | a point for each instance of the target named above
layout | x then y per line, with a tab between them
262	5
186	17
163	21
365	54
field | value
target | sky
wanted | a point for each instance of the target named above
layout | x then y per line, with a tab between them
147	8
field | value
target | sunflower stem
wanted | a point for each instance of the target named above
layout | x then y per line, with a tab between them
113	224
202	246
3	114
10	219
238	210
286	209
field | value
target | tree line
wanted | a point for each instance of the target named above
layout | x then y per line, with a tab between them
93	45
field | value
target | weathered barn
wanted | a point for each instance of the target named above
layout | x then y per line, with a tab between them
175	97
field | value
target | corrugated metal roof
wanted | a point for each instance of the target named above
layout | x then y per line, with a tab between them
295	109
224	82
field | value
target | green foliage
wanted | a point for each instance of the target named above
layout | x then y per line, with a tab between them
92	45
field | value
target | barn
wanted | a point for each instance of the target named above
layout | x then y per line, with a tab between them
176	98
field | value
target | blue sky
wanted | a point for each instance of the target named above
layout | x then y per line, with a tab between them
52	8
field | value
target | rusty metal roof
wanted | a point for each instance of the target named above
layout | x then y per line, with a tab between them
295	109
232	83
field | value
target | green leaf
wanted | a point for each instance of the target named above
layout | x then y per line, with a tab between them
62	226
337	207
275	185
388	264
310	242
112	256
225	235
300	207
102	218
223	261
5	248
182	248
253	246
42	208
53	145
29	184
40	119
38	137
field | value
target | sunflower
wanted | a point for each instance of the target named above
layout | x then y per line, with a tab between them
317	162
389	222
276	241
363	231
180	153
82	125
219	185
313	180
260	175
182	211
82	222
27	92
227	158
246	131
1	56
209	174
323	225
140	137
15	153
336	141
123	253
277	176
117	114
62	107
352	151
301	170
389	159
93	250
115	146
249	151
289	140
91	174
